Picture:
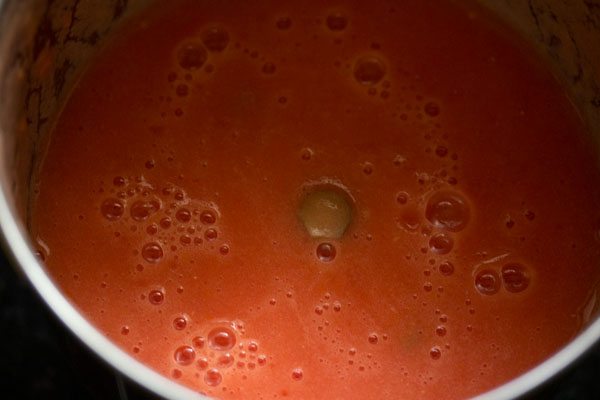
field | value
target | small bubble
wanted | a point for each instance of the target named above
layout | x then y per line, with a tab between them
165	223
283	23
119	181
440	330
156	297
152	229
210	234
221	338
202	363
185	239
441	243
319	310
262	360
152	252
336	22
268	68
326	252
225	360
373	338
215	39
432	109
441	151
112	209
208	217
515	278
224	249
182	90
487	282
447	210
435	353
198	342
367	168
183	215
369	70
176	374
213	377
253	347
337	306
306	154
125	330
530	215
184	355
297	374
192	55
402	198
141	210
179	323
446	268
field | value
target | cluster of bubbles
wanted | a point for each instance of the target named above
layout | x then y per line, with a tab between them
514	277
169	217
219	350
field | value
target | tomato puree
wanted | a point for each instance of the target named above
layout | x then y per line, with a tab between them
347	200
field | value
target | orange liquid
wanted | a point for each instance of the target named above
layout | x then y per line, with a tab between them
168	199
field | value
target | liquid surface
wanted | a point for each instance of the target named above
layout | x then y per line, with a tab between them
172	200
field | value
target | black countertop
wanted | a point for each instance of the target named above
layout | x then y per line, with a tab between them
39	358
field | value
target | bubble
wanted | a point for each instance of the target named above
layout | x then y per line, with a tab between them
156	297
210	234
269	68
336	22
447	210
515	278
319	310
202	363
221	338
326	252
373	338
180	323
367	168
119	181
152	229
435	353
165	222
337	306
297	374
224	249
530	215
208	217
150	164
369	70
191	55
225	360
198	342
112	209
487	282
441	243
182	90
184	355
125	330
352	351
141	210
283	23
185	239
262	359
213	377
183	215
253	347
152	252
440	330
446	268
432	109
306	154
176	374
441	151
402	198
215	39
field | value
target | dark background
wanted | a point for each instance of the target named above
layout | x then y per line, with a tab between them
39	358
